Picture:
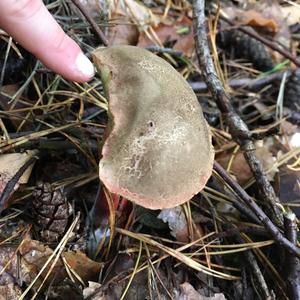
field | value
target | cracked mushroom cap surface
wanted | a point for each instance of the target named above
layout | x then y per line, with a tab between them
158	152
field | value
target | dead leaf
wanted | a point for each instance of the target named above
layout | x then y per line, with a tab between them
86	268
294	141
115	285
122	31
179	35
34	255
9	289
91	289
289	186
66	290
290	136
24	267
176	219
240	168
266	17
266	157
10	165
257	20
291	14
288	128
138	13
31	258
189	293
93	7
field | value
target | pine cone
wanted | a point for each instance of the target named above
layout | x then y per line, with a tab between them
241	45
51	210
292	92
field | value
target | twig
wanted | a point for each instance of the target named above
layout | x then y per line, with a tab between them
292	264
230	231
273	230
94	25
238	129
270	44
158	49
257	273
250	84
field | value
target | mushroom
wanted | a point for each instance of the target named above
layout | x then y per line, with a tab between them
158	152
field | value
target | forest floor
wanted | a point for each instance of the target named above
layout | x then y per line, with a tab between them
63	235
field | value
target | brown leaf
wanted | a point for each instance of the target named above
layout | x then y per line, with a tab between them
32	258
34	255
257	20
115	284
183	42
240	168
288	128
267	18
122	31
86	268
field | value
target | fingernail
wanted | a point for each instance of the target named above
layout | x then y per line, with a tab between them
84	66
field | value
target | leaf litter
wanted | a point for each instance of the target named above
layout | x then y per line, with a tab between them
109	248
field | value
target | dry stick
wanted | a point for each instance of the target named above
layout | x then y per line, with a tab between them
90	19
292	263
233	231
237	127
266	42
273	230
257	273
250	84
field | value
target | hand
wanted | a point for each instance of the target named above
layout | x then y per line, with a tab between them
30	23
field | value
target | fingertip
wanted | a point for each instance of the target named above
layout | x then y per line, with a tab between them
84	67
69	61
31	24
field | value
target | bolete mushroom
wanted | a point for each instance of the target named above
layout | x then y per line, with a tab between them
158	152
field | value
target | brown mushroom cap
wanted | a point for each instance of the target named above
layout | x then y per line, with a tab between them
159	151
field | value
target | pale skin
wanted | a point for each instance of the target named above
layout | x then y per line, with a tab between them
31	25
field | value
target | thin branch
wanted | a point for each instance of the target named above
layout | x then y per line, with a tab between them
292	263
273	230
250	84
256	271
90	19
154	48
237	127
